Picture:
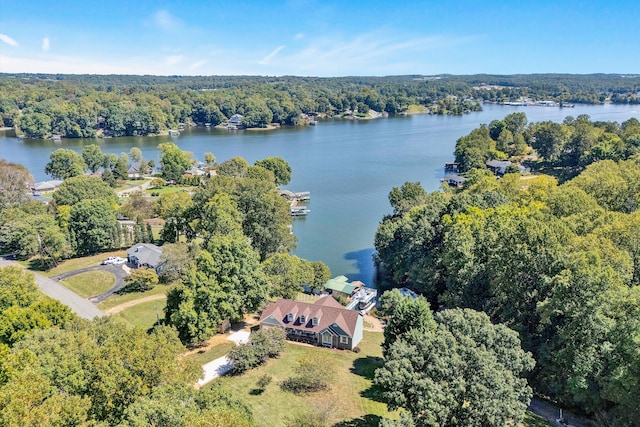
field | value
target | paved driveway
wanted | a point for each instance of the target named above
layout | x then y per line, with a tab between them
119	271
82	307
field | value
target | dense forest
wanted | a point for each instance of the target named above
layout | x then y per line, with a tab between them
88	105
560	264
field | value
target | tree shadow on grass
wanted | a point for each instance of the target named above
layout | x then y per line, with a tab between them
366	367
368	420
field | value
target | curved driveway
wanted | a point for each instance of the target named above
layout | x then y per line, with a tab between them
116	270
82	307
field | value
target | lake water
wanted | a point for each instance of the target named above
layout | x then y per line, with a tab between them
348	166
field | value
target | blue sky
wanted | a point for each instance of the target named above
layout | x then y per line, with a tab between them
319	38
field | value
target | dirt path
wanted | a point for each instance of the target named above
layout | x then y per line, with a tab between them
373	324
124	306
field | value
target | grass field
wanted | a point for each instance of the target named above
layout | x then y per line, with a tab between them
90	283
117	299
169	189
414	108
78	263
532	420
350	400
211	354
143	315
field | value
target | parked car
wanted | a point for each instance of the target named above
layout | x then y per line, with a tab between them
109	260
119	261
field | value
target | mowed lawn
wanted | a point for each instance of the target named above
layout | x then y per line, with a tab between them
90	283
350	398
84	262
143	315
117	299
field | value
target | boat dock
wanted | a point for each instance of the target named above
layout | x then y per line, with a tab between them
364	300
291	196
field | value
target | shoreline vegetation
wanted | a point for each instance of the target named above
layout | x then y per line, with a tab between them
83	106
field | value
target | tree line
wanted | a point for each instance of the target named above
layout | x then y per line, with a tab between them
86	106
559	264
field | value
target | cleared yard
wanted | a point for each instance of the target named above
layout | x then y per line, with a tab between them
117	299
84	262
206	356
90	283
350	397
143	315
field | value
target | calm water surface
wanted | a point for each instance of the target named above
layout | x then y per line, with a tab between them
348	166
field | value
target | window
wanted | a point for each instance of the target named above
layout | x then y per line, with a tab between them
344	340
303	319
289	317
314	321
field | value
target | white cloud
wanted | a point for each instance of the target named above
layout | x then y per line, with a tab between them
197	64
8	40
166	21
64	65
46	43
173	59
269	57
298	36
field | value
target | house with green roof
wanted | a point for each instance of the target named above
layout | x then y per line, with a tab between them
340	287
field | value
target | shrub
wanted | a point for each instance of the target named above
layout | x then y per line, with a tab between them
141	280
264	381
311	375
261	346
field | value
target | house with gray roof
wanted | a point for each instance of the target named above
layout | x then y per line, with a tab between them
145	255
324	323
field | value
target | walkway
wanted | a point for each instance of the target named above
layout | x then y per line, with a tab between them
221	365
551	413
82	307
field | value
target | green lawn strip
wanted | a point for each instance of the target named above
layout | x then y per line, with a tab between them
349	396
211	354
84	262
117	299
414	108
170	189
532	420
90	283
143	315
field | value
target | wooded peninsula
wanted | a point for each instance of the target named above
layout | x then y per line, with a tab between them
74	106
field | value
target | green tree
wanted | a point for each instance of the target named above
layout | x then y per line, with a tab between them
174	161
141	280
234	167
408	318
136	154
466	372
81	188
94	224
287	273
280	168
173	208
93	157
65	163
225	282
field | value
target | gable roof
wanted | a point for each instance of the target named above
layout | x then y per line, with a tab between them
330	313
146	253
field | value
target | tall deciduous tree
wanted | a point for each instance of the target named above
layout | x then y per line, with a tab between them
93	157
65	163
280	168
174	161
77	189
94	225
465	372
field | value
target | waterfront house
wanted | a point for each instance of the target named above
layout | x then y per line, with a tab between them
133	171
145	255
498	167
454	180
46	185
235	121
324	323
